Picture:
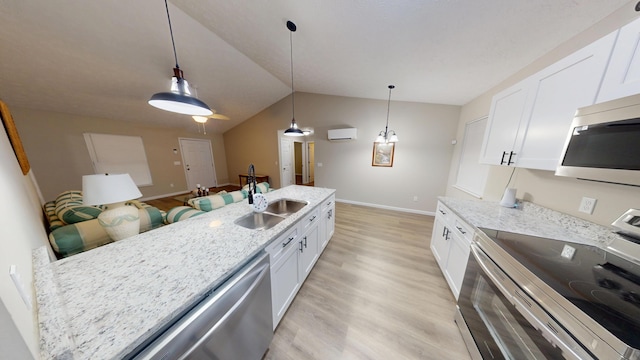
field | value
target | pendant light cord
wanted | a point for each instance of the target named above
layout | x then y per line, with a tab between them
175	54
293	102
386	128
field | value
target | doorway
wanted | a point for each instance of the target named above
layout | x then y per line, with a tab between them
197	158
297	158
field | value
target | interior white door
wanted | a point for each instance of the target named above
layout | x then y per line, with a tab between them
286	162
197	158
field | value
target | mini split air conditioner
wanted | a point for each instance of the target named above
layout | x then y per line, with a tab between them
342	134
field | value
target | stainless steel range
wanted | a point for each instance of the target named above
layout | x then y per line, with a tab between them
526	297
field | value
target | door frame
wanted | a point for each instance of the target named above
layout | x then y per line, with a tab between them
184	164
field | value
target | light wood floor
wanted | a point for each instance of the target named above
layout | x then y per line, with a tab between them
375	293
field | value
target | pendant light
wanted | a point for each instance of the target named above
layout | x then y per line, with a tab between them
178	99
387	136
293	130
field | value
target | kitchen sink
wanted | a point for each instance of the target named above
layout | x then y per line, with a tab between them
274	214
259	221
285	207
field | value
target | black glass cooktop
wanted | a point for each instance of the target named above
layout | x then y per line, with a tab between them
601	284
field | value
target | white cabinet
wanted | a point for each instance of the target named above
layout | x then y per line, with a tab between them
529	122
309	244
293	256
450	244
507	108
328	219
559	90
285	276
623	73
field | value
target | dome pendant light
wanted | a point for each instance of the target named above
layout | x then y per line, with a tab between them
387	136
179	99
293	130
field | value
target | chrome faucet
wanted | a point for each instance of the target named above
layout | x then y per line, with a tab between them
251	181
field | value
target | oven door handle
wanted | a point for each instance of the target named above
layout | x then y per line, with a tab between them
522	304
485	263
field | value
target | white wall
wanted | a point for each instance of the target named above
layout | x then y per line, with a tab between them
21	221
422	156
543	187
421	162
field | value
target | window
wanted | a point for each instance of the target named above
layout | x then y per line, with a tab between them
472	176
119	154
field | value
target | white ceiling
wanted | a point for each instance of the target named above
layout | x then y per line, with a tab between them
106	58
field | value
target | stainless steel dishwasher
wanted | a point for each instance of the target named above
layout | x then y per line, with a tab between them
233	322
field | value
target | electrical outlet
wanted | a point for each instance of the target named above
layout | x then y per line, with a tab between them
415	197
568	252
587	205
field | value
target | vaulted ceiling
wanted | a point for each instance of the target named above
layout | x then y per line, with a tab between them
106	58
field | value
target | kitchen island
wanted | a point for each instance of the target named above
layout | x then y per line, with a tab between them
103	303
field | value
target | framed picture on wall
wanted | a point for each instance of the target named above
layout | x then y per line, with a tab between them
383	154
14	138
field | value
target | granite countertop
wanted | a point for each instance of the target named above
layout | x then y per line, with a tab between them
530	219
103	303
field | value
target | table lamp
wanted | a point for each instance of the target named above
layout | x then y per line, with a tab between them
113	190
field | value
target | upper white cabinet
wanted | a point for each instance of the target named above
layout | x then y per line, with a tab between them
529	121
559	90
623	74
507	109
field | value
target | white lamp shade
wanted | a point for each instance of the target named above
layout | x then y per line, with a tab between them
102	189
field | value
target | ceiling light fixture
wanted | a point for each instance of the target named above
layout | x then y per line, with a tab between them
293	129
203	120
178	99
387	136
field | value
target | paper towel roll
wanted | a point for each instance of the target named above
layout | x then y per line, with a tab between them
509	198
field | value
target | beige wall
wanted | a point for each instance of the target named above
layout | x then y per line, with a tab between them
21	220
422	156
543	187
56	148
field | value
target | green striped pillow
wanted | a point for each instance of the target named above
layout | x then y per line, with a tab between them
212	202
52	218
262	187
182	212
70	209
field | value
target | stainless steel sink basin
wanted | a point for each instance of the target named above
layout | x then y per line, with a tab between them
275	212
285	207
259	221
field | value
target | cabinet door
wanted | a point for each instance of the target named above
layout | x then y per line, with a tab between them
560	89
457	263
623	73
308	247
507	108
285	282
328	226
440	241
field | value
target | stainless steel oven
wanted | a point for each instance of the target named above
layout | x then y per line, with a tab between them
501	321
526	297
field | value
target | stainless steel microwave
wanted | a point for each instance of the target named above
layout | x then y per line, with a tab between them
603	143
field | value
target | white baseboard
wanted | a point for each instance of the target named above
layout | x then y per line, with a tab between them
413	211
